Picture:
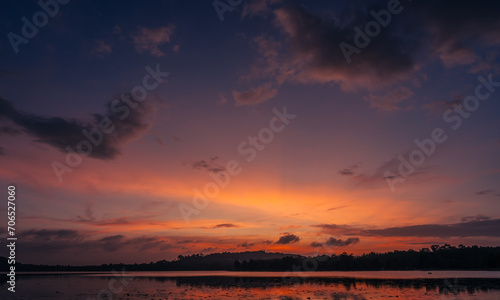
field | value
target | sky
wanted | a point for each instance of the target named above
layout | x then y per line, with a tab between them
139	131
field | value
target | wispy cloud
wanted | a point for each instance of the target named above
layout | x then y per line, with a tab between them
484	192
150	39
440	106
9	130
337	242
475	218
101	48
255	95
391	100
226	225
348	171
246	245
210	165
337	207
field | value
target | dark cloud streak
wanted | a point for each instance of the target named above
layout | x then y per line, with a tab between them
469	227
61	132
288	239
484	192
337	242
210	165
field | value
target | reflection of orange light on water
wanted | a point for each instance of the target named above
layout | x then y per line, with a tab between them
307	290
153	285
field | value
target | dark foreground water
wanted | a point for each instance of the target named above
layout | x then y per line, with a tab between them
257	285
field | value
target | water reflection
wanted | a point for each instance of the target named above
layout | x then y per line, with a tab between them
78	286
469	285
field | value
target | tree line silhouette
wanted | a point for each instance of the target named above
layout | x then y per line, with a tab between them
445	257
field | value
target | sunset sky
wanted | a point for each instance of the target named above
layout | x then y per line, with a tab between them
296	144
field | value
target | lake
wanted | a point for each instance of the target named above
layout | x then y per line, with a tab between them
257	285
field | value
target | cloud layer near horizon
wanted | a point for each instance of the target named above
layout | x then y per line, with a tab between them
480	227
